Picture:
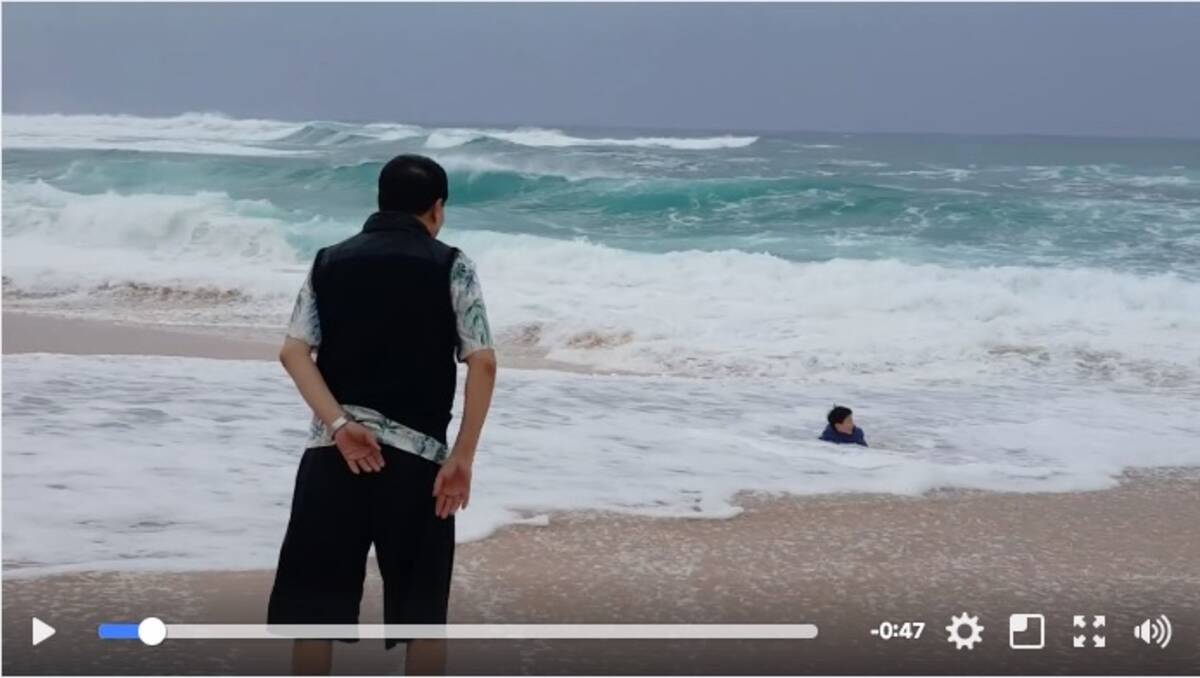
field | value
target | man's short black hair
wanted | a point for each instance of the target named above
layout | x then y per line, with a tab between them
838	414
411	184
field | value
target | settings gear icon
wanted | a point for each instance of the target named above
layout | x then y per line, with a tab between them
964	631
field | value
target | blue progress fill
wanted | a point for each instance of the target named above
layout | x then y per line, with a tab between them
118	631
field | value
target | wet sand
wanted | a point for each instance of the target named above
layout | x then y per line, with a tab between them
844	562
29	333
35	333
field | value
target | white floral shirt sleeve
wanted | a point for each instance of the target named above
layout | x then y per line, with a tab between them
305	325
474	333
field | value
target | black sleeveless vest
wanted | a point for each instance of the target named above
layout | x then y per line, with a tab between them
388	333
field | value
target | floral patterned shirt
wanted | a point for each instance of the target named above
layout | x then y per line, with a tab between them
474	334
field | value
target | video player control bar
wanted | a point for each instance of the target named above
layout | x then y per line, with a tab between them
153	631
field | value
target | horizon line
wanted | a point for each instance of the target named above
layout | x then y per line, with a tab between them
624	127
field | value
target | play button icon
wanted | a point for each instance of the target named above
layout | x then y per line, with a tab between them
41	630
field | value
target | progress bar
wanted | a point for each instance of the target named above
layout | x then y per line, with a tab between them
153	631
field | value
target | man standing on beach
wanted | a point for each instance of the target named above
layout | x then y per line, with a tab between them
387	311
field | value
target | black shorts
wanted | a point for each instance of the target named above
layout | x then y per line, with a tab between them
336	516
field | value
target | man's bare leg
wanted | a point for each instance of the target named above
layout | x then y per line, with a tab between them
425	658
312	657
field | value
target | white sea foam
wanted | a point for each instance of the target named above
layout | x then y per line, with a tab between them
697	313
569	168
164	463
210	133
955	174
843	162
111	255
1153	181
721	313
190	133
323	134
548	138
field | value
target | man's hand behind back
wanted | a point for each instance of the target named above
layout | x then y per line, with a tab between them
358	445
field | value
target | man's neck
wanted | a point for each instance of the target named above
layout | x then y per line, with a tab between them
427	222
384	219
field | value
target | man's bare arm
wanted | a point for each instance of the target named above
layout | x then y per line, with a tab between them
296	357
477	399
356	442
452	487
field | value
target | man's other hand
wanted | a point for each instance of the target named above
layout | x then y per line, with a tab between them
452	487
358	445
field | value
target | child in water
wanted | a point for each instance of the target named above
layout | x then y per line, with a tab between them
841	428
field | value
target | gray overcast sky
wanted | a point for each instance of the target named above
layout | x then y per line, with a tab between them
1120	70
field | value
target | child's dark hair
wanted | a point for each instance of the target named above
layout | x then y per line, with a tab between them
838	414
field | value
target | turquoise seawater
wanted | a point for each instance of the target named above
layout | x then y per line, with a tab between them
804	255
1116	204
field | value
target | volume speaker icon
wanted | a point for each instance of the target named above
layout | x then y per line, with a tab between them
1154	631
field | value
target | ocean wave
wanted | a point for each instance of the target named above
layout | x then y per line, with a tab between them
571	169
1175	180
795	215
1099	179
549	138
955	174
841	162
206	224
347	134
159	258
215	134
191	133
320	186
681	312
757	315
557	183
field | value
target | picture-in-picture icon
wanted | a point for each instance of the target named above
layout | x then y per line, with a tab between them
1027	631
